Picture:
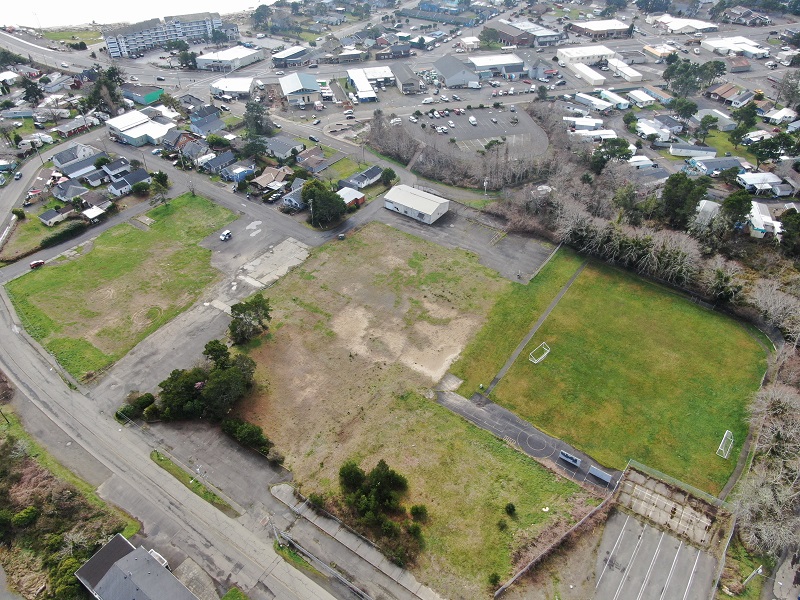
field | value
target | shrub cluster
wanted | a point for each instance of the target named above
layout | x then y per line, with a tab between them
247	434
374	499
67	232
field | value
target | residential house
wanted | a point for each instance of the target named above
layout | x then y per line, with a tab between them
282	147
52	217
406	80
191	102
692	150
272	178
715	166
670	123
238	171
757	183
312	159
741	15
352	197
125	184
120	571
364	179
95	199
219	162
741	98
117	169
707	210
201	112
793	126
82	167
723	91
724	122
780	190
454	73
194	149
57	83
67	190
176	139
207	125
73	154
26	70
96	178
777	117
661	96
294	199
760	222
75	126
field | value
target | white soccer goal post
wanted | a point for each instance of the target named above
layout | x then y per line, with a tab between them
725	445
539	353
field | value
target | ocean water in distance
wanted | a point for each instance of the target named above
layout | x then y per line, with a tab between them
52	13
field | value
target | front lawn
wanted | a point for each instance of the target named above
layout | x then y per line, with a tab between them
92	310
720	141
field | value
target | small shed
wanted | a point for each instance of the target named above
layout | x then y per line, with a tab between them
417	204
352	197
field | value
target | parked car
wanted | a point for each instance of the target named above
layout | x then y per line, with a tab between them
279	73
160	78
313	138
451	124
17	176
35	264
134	78
155	151
316	122
65	65
224	108
226	235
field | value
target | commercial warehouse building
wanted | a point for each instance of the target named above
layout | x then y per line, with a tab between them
618	101
154	33
587	55
230	59
736	45
628	73
608	28
510	66
680	25
136	128
419	205
235	87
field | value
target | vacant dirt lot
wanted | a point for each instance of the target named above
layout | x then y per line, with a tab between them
359	335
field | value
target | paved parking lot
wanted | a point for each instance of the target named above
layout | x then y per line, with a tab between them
636	561
524	137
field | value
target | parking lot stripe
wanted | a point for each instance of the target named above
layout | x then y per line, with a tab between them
630	562
691	576
671	571
608	560
650	568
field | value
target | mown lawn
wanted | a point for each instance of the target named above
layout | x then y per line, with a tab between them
92	310
638	372
341	169
720	141
74	36
29	232
509	321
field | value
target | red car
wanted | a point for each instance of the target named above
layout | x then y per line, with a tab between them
35	264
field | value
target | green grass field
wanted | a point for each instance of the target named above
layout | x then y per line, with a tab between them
92	310
720	141
30	231
72	36
636	372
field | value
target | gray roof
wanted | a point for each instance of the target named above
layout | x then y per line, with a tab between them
449	66
281	144
47	215
193	17
209	124
96	567
188	99
722	163
133	28
404	74
203	111
194	149
137	576
172	136
668	121
693	147
137	176
220	161
115	165
67	155
82	164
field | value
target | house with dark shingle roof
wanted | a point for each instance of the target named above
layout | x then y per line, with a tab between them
121	571
361	180
83	166
219	162
281	146
72	154
125	185
202	112
207	125
67	190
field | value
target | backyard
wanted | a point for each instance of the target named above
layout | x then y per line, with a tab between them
89	311
359	335
29	232
635	372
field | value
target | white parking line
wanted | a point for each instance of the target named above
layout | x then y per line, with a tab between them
691	577
630	562
650	568
611	554
671	570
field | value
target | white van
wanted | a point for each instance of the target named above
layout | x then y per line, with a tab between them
260	84
428	100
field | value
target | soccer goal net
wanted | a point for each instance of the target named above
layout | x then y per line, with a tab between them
725	445
539	353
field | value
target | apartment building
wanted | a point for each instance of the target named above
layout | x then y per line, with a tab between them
131	39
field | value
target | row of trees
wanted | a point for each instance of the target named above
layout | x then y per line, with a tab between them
685	77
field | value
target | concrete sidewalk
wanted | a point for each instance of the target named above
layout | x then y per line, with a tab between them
353	542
